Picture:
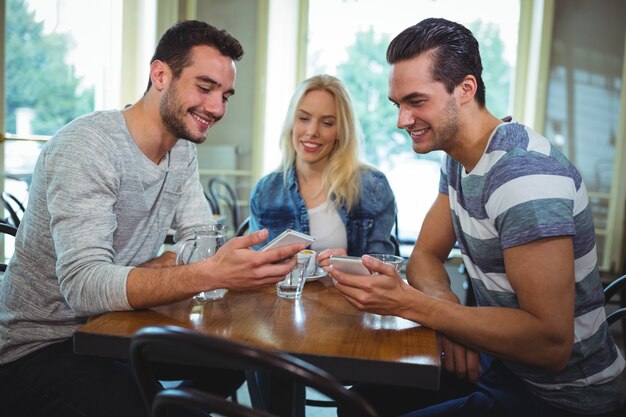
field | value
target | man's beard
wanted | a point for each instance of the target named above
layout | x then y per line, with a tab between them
446	133
173	116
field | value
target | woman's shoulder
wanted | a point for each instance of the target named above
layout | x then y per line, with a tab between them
372	177
272	179
375	189
270	184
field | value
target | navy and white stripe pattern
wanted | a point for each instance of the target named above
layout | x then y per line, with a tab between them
524	189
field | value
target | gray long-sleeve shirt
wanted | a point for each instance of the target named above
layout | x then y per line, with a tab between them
97	207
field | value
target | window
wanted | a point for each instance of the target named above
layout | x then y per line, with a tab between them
57	66
583	110
354	50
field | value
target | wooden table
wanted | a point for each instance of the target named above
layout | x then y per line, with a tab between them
321	328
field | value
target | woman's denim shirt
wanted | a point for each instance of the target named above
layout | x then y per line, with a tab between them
276	207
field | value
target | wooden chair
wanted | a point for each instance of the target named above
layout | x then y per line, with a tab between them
172	344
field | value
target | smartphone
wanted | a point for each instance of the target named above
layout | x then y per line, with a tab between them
349	264
288	237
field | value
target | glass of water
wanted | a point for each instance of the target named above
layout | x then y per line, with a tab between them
292	285
206	241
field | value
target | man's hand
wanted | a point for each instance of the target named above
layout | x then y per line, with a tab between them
385	293
237	267
459	359
455	357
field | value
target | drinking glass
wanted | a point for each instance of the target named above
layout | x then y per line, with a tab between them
206	241
396	261
292	285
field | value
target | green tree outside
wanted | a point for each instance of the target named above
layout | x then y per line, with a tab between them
496	70
37	75
366	74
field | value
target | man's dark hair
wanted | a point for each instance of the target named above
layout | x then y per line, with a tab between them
453	48
175	44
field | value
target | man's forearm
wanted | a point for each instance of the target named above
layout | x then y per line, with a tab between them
427	274
165	260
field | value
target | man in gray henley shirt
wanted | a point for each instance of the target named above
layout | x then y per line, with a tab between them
106	190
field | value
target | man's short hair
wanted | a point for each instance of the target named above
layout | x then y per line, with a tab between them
453	47
176	43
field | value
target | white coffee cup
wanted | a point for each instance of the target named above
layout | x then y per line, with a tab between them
312	261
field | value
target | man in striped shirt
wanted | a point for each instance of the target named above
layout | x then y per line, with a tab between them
537	343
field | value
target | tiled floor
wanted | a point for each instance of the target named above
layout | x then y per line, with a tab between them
244	398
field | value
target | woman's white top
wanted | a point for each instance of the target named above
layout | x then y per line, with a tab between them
327	228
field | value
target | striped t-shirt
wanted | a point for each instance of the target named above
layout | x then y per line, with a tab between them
521	190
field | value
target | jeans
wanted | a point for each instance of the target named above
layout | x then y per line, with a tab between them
54	381
498	393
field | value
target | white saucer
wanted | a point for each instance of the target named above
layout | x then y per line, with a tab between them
319	273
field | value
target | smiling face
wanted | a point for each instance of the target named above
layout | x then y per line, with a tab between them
428	113
198	99
314	129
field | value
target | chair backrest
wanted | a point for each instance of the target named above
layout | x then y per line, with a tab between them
396	244
243	227
176	344
215	207
618	285
189	401
615	287
14	207
6	229
221	190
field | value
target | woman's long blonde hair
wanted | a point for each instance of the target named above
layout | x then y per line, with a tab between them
341	179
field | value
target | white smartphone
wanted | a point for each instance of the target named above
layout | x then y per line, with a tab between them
288	237
349	264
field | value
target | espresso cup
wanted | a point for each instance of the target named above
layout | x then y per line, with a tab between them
311	265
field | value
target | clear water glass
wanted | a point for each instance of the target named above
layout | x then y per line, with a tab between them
205	243
293	284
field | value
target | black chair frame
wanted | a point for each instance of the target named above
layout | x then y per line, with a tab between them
7	229
13	206
175	344
215	207
615	287
243	227
222	190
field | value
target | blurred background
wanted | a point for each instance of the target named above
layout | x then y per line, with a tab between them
556	65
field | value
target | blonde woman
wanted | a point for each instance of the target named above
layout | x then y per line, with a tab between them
321	188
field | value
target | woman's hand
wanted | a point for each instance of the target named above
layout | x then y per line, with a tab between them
323	258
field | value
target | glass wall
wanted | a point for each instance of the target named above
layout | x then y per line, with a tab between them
583	104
